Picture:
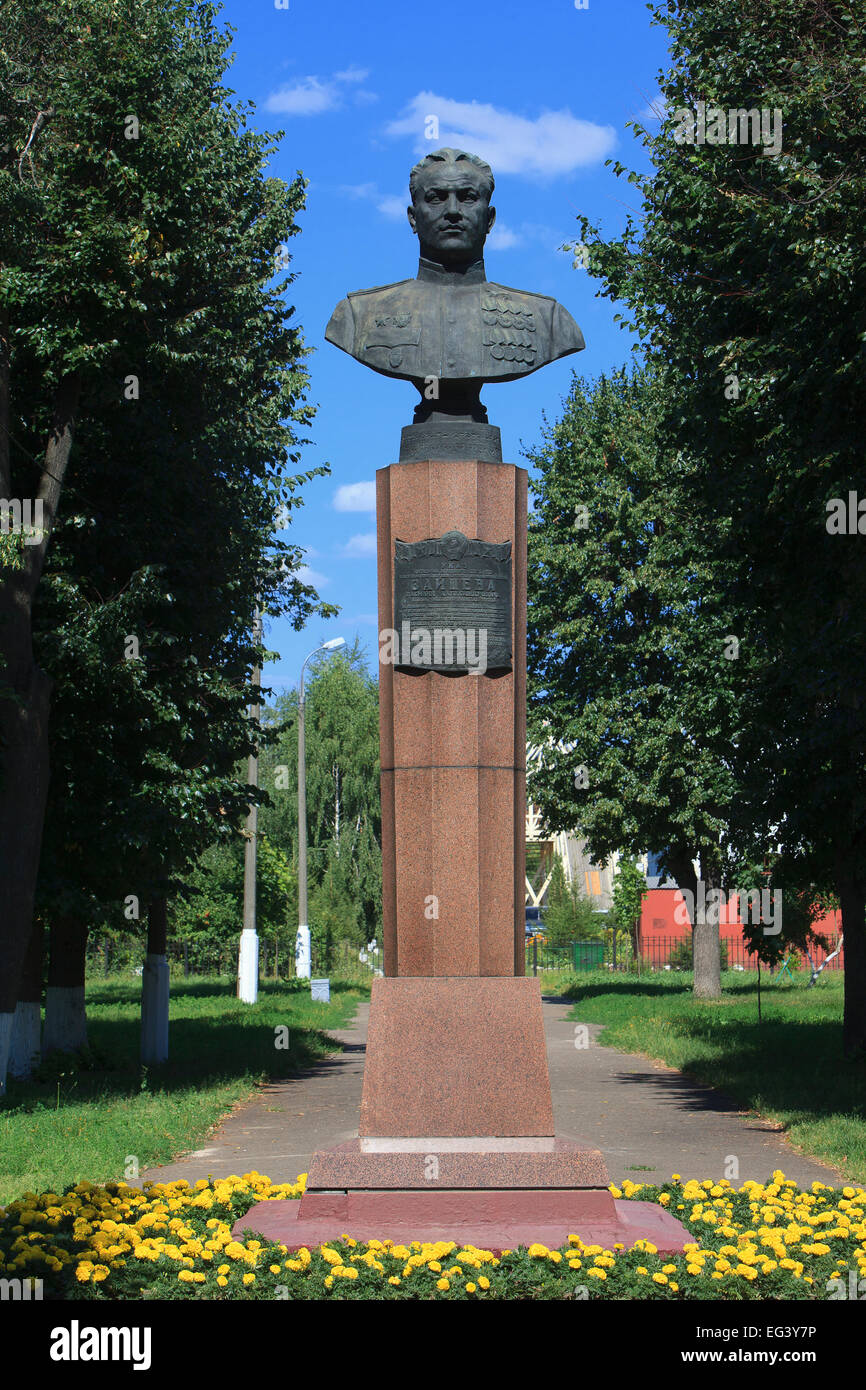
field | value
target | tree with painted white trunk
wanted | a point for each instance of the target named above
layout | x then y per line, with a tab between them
151	388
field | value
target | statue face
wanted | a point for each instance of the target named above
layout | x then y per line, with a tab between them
451	215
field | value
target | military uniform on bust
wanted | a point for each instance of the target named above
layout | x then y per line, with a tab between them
450	330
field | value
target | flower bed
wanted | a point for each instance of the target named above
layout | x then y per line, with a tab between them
170	1240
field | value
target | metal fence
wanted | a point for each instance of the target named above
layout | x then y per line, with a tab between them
189	958
663	953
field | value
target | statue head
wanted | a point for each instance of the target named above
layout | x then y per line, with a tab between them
450	211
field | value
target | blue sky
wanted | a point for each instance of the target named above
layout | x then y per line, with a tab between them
543	92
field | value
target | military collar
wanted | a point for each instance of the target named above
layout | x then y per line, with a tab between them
440	274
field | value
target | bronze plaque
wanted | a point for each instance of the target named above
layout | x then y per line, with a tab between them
452	604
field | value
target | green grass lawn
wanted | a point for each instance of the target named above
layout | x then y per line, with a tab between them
84	1121
789	1067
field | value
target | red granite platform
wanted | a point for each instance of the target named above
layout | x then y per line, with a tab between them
490	1220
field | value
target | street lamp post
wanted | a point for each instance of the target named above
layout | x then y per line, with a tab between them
303	954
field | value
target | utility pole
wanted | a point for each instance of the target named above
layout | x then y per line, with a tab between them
248	956
303	953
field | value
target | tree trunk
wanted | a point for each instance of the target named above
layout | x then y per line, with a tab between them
26	1052
852	897
24	706
65	1011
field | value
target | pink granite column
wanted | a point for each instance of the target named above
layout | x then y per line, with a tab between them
453	747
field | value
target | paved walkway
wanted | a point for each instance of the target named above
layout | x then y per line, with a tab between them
649	1120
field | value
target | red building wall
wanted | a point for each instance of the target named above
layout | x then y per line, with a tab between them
658	919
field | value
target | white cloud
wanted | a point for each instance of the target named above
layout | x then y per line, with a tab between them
553	143
310	96
352	75
502	238
360	547
393	205
355	497
311	576
389	204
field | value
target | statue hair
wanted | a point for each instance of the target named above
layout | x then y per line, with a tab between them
449	156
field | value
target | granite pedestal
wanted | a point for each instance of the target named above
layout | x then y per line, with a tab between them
456	1136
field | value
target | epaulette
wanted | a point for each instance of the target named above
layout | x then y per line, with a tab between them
512	289
375	289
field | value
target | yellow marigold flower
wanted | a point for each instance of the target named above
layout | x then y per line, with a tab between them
660	1278
669	1269
746	1271
443	1285
575	1264
594	1273
675	1288
554	1256
83	1272
329	1282
330	1255
185	1276
249	1279
483	1282
394	1279
694	1269
641	1270
538	1251
471	1288
294	1264
664	1198
435	1266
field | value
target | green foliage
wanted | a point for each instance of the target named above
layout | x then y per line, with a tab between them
682	957
744	274
343	812
160	258
569	916
629	891
619	648
209	912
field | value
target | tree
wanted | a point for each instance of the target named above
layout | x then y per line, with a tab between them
140	240
630	697
343	798
208	913
568	916
745	277
629	891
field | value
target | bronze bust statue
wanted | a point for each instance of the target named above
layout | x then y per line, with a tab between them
450	329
